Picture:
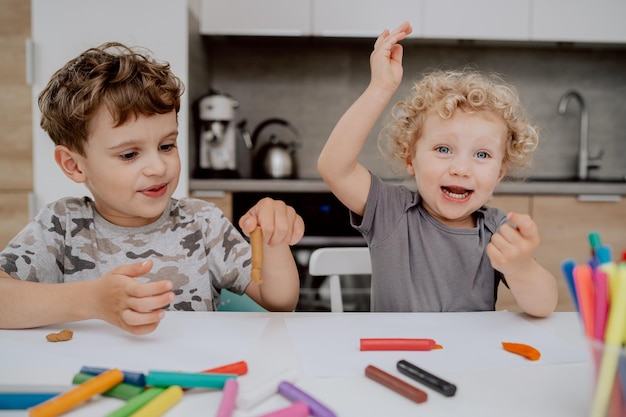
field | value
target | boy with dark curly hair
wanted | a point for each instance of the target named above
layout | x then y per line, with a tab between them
133	251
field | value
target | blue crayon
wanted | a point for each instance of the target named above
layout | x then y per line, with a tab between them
187	379
24	397
130	377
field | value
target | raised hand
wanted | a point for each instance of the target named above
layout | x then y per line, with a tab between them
386	58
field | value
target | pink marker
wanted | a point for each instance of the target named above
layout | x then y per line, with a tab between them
601	304
297	409
227	405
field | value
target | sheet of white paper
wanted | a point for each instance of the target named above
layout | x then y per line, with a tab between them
198	341
329	346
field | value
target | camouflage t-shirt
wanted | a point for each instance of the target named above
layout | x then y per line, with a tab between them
192	244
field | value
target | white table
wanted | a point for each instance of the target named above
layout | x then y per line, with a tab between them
321	349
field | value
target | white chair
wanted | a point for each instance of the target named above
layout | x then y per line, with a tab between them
333	262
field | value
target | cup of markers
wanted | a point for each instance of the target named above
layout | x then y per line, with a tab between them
598	289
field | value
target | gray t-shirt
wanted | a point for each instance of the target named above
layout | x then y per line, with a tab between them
192	244
420	264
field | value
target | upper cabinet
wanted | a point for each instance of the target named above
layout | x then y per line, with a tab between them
594	21
476	19
579	21
255	17
358	18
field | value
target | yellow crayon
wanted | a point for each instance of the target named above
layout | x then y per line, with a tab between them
160	404
81	393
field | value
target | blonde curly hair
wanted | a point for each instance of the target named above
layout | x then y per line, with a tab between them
446	91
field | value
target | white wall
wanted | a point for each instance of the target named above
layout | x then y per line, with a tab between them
62	29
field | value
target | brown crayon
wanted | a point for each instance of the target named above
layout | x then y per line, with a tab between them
396	384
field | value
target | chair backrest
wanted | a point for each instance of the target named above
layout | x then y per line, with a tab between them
333	262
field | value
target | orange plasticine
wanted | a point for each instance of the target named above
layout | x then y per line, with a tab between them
522	349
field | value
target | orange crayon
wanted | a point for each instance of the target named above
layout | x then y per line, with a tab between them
81	393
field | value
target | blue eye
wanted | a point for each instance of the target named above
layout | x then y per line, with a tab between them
443	149
482	155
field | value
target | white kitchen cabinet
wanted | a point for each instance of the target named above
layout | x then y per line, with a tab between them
599	21
590	21
477	19
61	29
356	18
256	17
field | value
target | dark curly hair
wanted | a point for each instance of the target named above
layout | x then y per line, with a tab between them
447	91
128	82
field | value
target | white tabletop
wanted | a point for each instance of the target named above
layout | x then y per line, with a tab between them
320	353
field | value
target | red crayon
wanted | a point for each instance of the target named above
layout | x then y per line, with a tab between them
398	344
238	368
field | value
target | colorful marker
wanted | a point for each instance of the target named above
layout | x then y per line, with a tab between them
81	393
187	379
227	404
615	332
426	378
583	280
161	403
594	242
398	344
295	394
567	269
396	384
601	303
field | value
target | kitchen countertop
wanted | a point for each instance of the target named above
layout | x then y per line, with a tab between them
596	188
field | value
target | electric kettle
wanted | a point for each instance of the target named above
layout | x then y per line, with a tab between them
274	158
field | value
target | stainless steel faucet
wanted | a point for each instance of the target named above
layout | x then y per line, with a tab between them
584	161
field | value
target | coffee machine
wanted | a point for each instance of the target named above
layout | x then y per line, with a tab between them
216	132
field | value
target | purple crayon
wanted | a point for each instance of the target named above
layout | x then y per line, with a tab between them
294	394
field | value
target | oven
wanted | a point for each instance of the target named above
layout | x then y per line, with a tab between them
327	223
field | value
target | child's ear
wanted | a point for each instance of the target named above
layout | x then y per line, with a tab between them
503	169
408	163
67	160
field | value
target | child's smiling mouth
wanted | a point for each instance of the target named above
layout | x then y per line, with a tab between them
457	193
156	191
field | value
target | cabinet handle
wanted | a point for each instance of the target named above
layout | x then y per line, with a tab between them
30	71
601	198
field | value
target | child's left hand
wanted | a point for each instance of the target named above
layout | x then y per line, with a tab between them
280	223
511	248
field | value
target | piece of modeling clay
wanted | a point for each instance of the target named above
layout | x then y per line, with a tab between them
522	349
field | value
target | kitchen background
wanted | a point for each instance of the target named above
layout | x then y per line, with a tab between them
310	82
306	61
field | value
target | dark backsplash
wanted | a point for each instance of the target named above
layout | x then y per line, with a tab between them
312	81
